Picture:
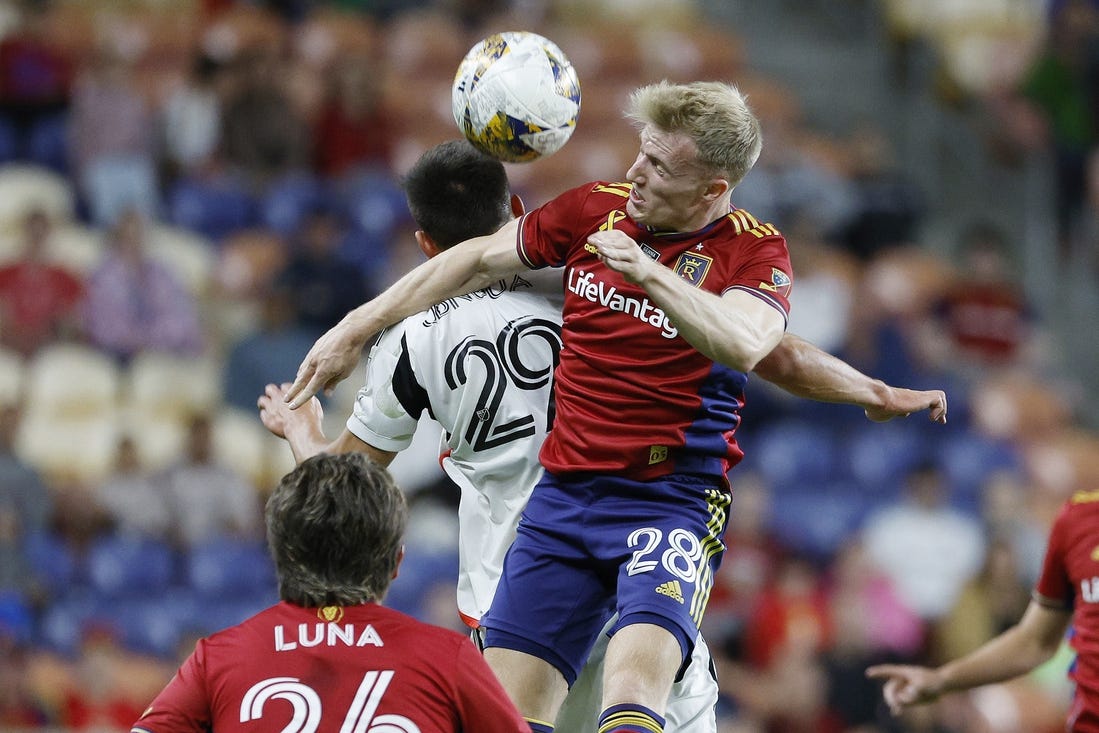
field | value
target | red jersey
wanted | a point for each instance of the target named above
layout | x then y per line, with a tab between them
335	669
1070	580
632	396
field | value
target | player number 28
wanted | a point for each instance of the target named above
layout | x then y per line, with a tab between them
680	558
305	705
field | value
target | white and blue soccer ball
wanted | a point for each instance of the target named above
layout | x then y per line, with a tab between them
516	96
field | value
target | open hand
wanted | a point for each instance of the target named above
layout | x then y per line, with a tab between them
333	357
276	415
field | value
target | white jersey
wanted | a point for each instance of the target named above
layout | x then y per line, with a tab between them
482	366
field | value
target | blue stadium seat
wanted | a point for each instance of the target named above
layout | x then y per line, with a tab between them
218	615
9	142
16	620
287	201
231	568
128	566
817	522
791	453
419	573
48	144
64	623
879	456
50	560
212	208
968	458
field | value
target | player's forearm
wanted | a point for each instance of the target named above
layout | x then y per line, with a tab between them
1015	652
804	370
306	439
459	270
735	337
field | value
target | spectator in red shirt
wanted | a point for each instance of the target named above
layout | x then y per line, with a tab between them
38	299
986	314
353	131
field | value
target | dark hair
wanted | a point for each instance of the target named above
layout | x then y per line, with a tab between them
334	526
456	192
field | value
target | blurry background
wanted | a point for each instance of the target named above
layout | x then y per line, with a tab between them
191	191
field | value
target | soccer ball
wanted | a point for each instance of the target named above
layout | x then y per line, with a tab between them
516	96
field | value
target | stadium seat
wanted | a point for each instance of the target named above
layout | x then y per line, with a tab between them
161	385
76	247
217	614
24	187
121	567
419	572
968	458
188	255
792	453
68	380
64	622
12	376
227	568
16	620
240	442
288	201
153	626
80	449
51	561
48	145
879	456
9	142
215	209
817	521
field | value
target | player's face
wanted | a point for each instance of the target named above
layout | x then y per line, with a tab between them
668	183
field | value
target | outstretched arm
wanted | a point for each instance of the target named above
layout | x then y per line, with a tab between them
804	370
1015	652
461	269
303	430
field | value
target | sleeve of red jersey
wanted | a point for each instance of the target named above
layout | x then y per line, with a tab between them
547	233
483	705
766	273
182	706
1054	588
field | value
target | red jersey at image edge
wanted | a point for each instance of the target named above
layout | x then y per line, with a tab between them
633	397
330	669
1070	580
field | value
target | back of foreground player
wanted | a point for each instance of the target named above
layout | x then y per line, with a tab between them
328	657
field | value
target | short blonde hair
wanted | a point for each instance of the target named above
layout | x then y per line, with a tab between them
713	114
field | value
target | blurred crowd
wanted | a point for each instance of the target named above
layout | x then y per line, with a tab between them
192	191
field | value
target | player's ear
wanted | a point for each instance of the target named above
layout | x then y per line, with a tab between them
400	558
716	188
517	207
427	244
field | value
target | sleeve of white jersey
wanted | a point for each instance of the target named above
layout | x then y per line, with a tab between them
379	418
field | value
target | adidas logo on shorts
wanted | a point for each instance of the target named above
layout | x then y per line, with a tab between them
672	589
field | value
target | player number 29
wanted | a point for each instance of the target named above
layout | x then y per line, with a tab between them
680	558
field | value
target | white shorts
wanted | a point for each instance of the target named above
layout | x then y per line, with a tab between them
691	705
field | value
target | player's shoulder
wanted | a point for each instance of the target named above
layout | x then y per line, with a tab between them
1081	502
743	222
601	195
612	190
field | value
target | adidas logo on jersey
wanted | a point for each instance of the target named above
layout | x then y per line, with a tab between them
672	589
